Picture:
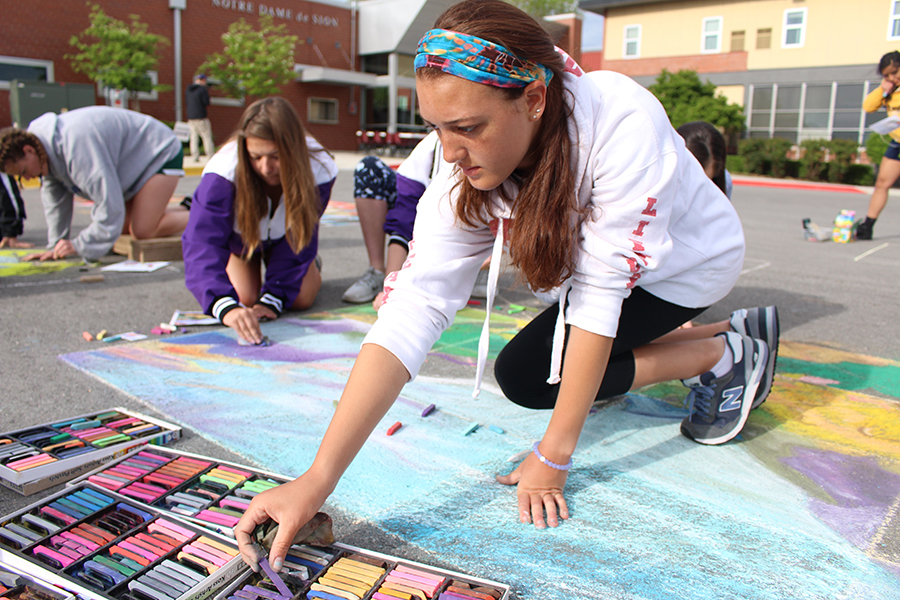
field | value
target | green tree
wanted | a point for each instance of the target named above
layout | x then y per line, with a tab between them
687	99
254	63
542	8
117	55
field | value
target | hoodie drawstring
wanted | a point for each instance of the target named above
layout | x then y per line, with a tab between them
493	276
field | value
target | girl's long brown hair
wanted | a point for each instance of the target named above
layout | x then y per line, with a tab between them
544	232
275	120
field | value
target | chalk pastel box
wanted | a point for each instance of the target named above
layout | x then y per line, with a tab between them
42	456
207	492
103	546
15	585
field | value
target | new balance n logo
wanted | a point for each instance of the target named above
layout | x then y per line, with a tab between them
731	399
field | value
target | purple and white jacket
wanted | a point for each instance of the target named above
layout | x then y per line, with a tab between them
212	236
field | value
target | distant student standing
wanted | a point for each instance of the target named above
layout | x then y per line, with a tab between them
12	214
885	95
197	100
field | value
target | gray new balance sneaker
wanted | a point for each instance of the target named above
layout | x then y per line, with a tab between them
760	323
720	406
365	288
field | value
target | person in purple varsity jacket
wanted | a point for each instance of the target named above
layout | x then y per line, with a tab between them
259	201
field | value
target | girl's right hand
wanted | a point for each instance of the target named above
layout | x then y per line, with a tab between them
888	87
245	322
290	505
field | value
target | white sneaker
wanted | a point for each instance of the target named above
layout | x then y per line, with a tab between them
366	287
479	290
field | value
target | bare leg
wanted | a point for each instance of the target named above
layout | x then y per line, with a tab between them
697	332
309	287
372	214
246	278
888	172
149	215
659	362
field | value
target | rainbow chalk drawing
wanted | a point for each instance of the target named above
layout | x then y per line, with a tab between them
804	505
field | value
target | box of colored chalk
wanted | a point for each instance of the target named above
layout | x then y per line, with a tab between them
15	585
33	459
342	571
200	489
99	545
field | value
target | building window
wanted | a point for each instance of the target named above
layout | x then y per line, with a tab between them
632	41
764	38
712	35
26	69
737	41
322	110
894	21
794	28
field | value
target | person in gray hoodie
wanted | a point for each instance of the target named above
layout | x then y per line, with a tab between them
126	163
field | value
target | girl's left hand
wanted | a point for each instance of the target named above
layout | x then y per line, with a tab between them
263	313
539	489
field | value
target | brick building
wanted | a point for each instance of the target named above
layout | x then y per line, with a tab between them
354	60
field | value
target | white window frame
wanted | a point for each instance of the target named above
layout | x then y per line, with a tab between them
626	40
785	27
893	17
705	34
28	62
333	101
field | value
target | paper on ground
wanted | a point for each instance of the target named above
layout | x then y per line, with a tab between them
133	266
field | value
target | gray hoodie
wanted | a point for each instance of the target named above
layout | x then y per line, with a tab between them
105	155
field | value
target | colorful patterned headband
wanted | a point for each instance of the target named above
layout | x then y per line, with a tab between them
477	60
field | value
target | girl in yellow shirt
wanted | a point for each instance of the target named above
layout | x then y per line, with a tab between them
888	96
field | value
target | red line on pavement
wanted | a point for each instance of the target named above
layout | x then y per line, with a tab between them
813	187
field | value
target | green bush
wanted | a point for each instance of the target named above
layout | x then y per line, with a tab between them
876	146
753	155
843	153
812	159
860	175
734	164
766	156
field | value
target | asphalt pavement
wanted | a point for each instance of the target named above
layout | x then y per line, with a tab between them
842	296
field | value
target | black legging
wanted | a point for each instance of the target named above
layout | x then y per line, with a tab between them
523	366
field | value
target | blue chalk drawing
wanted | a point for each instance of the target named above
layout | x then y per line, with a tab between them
654	515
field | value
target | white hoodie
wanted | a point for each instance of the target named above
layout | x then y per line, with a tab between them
657	222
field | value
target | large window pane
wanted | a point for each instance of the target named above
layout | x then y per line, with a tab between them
845	135
760	119
788	97
846	119
9	71
762	98
790	119
790	135
818	96
815	119
759	134
849	96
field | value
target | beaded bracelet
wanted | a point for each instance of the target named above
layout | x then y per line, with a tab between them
549	462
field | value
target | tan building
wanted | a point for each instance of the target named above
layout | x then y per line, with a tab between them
800	68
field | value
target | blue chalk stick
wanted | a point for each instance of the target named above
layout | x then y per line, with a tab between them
495	429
